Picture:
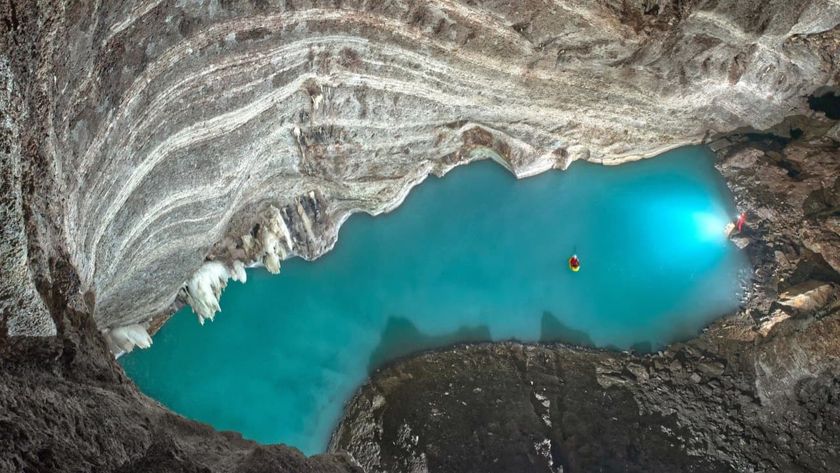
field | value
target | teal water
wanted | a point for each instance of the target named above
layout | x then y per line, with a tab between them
476	255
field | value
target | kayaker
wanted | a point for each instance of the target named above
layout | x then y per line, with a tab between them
574	263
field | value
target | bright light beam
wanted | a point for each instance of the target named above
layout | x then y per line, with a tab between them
710	227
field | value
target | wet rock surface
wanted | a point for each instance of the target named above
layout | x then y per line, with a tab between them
757	391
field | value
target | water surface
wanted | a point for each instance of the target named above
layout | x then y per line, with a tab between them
476	255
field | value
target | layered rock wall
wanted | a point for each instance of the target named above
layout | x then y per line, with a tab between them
155	135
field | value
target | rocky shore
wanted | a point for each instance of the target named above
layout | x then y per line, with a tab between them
758	391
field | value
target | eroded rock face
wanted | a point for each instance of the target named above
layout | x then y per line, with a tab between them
146	136
758	391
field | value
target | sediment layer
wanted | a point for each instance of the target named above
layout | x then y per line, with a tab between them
147	137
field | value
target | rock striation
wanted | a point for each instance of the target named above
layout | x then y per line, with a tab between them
145	138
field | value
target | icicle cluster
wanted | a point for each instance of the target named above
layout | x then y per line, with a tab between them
124	339
271	245
204	289
270	237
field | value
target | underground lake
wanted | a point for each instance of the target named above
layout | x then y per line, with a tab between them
474	256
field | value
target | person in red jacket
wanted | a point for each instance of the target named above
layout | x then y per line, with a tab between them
742	219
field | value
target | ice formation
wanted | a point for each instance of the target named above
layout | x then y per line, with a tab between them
271	234
269	245
205	288
124	339
237	272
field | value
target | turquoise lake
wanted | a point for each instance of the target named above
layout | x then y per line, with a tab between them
476	255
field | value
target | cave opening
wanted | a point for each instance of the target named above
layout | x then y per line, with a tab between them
475	256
